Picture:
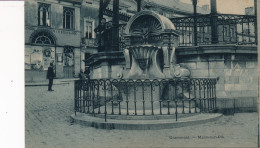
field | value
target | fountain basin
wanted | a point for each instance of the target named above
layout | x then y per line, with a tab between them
139	94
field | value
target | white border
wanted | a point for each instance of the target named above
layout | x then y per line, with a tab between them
12	74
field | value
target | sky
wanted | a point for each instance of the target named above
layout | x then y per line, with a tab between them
227	6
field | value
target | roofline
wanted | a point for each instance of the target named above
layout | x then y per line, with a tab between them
173	9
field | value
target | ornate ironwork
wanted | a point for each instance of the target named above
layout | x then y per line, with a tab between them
105	97
232	29
122	16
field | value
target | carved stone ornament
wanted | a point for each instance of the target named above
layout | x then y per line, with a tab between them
149	48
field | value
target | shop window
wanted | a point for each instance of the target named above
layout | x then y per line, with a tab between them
43	14
68	18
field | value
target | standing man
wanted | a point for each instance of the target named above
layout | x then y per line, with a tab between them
50	76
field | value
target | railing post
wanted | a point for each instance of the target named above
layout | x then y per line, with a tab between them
182	95
176	110
135	97
143	98
215	93
105	94
75	97
119	100
84	97
152	97
93	97
112	96
127	101
189	82
195	96
115	28
168	101
98	98
208	95
79	97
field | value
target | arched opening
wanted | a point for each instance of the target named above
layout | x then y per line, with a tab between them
41	51
42	37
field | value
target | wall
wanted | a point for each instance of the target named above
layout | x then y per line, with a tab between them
234	66
63	37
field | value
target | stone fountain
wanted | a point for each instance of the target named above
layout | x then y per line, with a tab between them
150	54
152	89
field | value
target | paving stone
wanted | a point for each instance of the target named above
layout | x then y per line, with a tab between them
48	124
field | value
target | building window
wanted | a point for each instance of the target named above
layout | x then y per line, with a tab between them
43	38
68	18
89	29
43	14
88	33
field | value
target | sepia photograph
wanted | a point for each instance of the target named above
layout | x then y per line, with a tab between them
140	73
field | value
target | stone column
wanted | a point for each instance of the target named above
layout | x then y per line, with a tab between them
115	31
195	22
213	22
138	5
100	15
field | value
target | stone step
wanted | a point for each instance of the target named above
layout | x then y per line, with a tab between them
97	122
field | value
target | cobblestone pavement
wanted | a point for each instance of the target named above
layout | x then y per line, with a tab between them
48	125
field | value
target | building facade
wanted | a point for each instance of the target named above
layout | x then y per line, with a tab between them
127	8
52	35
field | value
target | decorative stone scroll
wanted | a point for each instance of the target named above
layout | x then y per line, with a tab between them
150	47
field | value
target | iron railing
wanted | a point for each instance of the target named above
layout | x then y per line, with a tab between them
122	16
231	29
145	97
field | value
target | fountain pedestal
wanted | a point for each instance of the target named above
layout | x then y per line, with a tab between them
139	96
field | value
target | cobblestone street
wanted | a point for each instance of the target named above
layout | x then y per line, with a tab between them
48	124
